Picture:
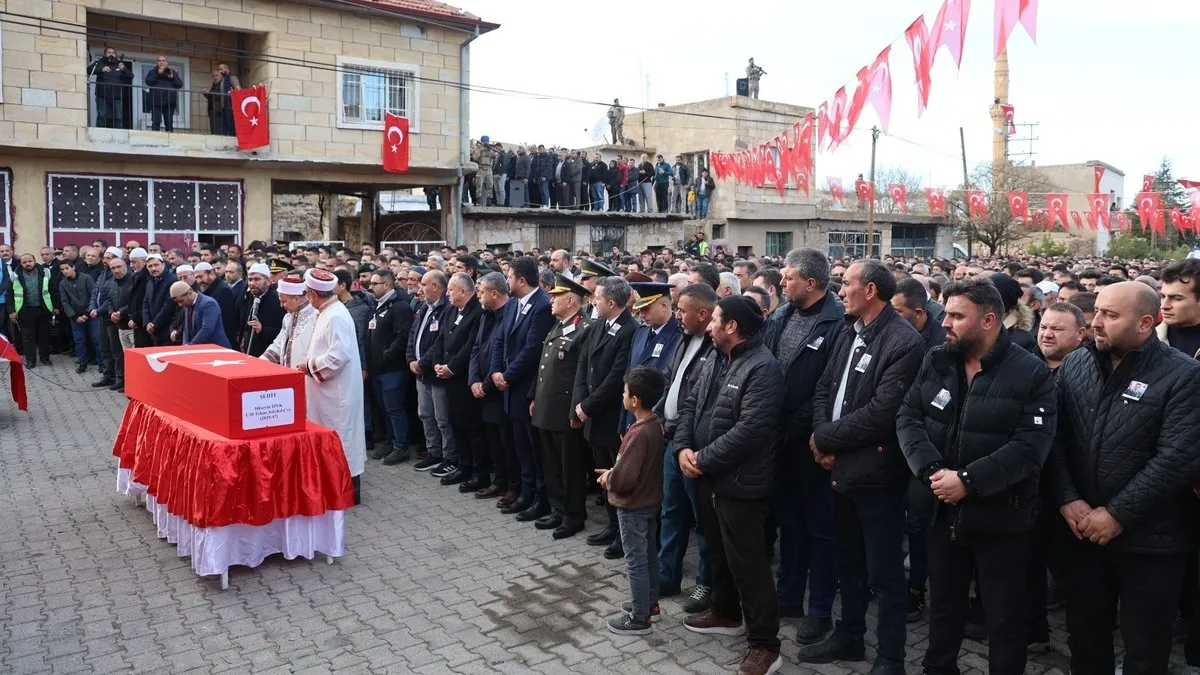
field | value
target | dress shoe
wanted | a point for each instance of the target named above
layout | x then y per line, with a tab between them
839	647
490	492
567	530
381	451
813	629
614	551
708	623
534	512
603	537
118	386
517	507
79	370
473	485
549	522
45	362
105	382
508	499
458	475
395	457
761	661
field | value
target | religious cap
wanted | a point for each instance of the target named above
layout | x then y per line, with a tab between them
636	277
116	252
152	256
278	266
261	269
1048	286
745	311
649	292
203	267
563	284
180	289
320	280
139	253
292	284
592	268
183	268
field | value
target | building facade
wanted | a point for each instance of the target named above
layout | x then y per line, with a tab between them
84	160
1078	181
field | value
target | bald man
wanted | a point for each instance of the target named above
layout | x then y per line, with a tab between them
1120	474
202	316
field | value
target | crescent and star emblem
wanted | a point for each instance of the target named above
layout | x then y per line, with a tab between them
399	137
258	106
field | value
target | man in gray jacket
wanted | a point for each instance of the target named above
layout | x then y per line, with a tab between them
74	292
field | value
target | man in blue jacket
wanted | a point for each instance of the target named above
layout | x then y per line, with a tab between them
202	321
157	308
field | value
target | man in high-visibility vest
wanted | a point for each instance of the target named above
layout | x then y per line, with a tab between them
31	309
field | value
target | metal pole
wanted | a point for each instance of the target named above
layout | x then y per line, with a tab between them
962	140
871	202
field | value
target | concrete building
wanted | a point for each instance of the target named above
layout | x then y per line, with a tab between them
331	67
573	230
1078	181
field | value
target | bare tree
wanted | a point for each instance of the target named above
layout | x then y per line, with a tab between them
912	184
999	229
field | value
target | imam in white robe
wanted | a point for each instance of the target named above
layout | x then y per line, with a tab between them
290	347
333	384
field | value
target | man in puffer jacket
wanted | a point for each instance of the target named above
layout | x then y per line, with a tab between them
725	437
976	427
1126	452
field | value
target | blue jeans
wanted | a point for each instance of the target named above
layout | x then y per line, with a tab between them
389	389
639	538
84	333
869	544
629	198
803	508
597	196
702	206
680	512
544	191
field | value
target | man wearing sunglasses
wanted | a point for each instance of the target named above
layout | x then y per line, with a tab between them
202	316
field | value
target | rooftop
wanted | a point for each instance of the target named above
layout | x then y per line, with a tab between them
427	9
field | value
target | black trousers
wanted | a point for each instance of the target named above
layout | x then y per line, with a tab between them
562	462
603	458
999	563
528	446
660	195
504	459
35	334
472	448
1147	588
743	586
141	338
114	353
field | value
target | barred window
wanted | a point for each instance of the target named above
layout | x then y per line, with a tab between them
369	89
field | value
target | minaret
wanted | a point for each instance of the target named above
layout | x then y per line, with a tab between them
999	126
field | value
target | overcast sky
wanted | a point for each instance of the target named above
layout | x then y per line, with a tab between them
1108	79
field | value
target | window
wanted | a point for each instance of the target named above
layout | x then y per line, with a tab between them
368	89
779	243
910	242
166	209
718	231
851	245
605	237
6	206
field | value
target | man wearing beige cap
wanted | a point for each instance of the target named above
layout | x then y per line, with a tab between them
202	316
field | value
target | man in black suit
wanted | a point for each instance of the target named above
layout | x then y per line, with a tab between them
259	331
655	340
216	288
492	291
432	406
449	359
560	428
514	368
598	387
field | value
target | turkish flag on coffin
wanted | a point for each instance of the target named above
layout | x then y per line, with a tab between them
250	117
16	372
395	144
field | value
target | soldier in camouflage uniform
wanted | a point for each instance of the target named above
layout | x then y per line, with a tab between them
485	156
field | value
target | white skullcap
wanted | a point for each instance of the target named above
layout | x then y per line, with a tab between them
290	285
183	268
260	268
116	252
320	280
139	252
152	256
1047	286
203	267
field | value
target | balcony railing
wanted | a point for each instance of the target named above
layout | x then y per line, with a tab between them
142	108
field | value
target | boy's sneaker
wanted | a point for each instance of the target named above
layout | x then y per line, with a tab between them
916	605
427	463
711	624
627	625
654	610
699	600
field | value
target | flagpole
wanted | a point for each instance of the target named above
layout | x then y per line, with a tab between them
871	202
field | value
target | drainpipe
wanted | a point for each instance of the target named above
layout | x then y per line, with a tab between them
464	55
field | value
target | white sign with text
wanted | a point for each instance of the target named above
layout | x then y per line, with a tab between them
270	408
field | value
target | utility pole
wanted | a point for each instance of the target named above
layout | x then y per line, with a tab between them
871	202
962	140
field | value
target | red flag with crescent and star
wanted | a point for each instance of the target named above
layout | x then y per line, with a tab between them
1194	212
1009	119
1008	14
395	144
1077	219
1099	173
1099	213
836	191
16	373
250	117
1180	221
1018	204
1122	221
937	201
949	29
1149	208
1189	184
899	194
866	192
917	36
1056	209
977	204
875	86
1147	183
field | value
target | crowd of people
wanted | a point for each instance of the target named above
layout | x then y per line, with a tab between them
568	179
899	431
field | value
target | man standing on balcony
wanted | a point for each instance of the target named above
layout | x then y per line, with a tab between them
113	79
229	82
161	84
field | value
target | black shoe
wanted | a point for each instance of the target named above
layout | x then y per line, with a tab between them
476	484
444	469
79	370
516	507
813	629
600	500
916	605
655	610
836	648
791	611
105	382
567	530
603	537
534	512
880	669
614	551
427	464
455	477
627	625
118	386
381	451
550	522
669	591
396	457
699	600
45	362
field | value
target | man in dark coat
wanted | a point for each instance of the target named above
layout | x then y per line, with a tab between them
599	386
137	296
976	427
162	83
449	360
157	308
492	291
215	287
113	83
387	341
726	438
655	339
871	367
559	426
259	326
1125	455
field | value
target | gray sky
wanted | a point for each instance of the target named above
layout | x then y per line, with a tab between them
1084	81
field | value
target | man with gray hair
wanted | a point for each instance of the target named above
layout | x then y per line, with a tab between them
492	291
449	360
729	285
801	336
432	405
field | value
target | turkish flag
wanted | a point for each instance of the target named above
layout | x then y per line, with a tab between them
1099	172
395	143
1122	221
899	194
250	117
1147	183
918	41
865	191
1194	197
802	150
1189	184
1178	219
1018	204
836	191
16	373
1149	208
977	204
836	118
1056	209
1077	219
1008	14
950	29
1009	119
1099	212
937	201
875	85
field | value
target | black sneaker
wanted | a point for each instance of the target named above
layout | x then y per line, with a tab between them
79	370
699	600
655	610
427	464
395	457
444	469
105	382
916	605
627	625
381	451
836	648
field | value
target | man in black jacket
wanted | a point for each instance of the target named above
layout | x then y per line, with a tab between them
387	341
114	321
726	439
854	435
215	287
449	361
137	296
492	291
911	301
259	327
113	85
1121	468
976	427
432	405
801	334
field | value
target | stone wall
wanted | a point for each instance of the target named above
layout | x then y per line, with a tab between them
305	214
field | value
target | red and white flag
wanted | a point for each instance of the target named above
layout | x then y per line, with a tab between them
1009	120
1099	173
875	86
1099	213
16	373
977	204
1008	14
1147	183
395	144
865	191
1077	219
1056	209
949	29
1018	204
1149	208
1180	221
837	191
899	194
937	201
250	117
917	36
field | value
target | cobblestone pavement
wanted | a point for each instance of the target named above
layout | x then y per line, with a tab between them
433	582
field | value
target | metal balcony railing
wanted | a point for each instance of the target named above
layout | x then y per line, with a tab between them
146	108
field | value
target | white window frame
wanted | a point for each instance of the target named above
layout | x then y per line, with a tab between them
413	101
6	217
141	121
150	229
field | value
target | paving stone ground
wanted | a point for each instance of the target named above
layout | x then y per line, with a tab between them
433	581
